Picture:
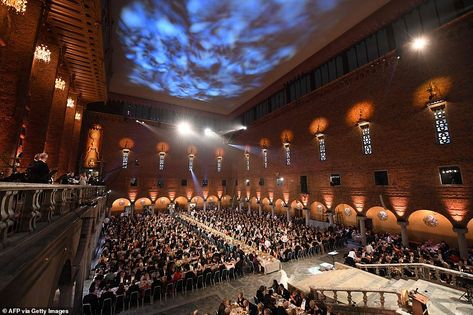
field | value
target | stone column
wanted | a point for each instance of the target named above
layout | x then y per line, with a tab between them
288	213
205	204
362	230
259	208
272	210
219	203
307	216
330	218
65	295
404	237
188	206
462	245
248	203
239	205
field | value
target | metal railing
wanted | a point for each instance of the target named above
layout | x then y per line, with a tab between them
23	207
417	271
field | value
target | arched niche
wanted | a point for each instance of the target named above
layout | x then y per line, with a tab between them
279	207
142	202
296	208
317	211
162	203
119	204
346	215
383	220
430	225
181	202
198	201
226	201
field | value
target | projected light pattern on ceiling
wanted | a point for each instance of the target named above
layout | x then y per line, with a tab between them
206	49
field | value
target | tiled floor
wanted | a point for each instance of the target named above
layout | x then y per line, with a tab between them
208	299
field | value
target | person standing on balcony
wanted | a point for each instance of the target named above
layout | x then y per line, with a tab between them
38	172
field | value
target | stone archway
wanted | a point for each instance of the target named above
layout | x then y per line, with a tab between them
119	205
430	225
346	215
383	220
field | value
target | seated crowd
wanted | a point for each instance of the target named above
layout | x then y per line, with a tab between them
385	248
274	235
151	255
273	300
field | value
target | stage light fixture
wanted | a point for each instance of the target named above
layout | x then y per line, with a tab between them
184	128
208	132
419	43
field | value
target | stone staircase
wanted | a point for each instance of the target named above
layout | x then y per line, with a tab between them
443	299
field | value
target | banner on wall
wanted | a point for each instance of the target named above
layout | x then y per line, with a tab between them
92	153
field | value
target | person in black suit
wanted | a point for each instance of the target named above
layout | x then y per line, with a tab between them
260	293
93	300
284	292
107	295
38	172
250	308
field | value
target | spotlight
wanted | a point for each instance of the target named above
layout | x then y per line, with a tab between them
208	132
184	128
419	43
244	127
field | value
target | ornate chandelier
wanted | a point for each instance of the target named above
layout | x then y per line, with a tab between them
18	5
70	102
42	53
60	84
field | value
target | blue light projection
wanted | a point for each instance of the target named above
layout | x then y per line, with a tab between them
204	49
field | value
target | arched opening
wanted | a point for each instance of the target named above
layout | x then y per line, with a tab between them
63	295
119	205
254	203
197	202
383	220
296	209
162	203
141	203
265	205
317	211
279	207
181	203
226	201
346	215
469	235
430	225
212	202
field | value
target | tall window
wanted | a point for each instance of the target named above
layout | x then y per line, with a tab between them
441	126
287	148
323	157
191	162
125	153
265	158
219	164
247	160
366	139
161	160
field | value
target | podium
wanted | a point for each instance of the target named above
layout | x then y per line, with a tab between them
419	304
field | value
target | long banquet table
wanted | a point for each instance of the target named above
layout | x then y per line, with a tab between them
268	262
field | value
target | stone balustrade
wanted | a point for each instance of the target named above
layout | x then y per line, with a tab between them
24	207
444	276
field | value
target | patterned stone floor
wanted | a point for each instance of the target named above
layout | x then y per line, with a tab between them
208	299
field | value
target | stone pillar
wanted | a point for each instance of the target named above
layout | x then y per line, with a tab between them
188	206
404	237
272	210
259	208
462	245
18	35
307	216
288	213
75	138
41	89
219	203
362	230
330	218
248	203
239	205
205	204
66	145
